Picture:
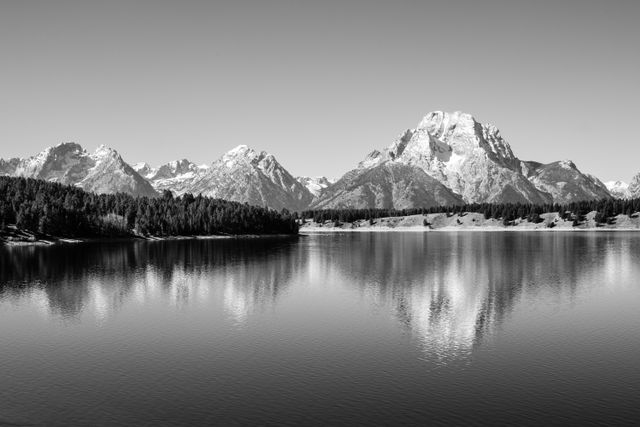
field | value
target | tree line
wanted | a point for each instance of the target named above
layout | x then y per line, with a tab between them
67	211
606	210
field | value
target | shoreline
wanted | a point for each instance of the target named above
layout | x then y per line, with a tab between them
471	222
463	230
30	239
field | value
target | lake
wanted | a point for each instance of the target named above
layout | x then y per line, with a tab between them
334	329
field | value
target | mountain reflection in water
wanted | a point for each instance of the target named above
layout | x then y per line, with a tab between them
360	328
451	291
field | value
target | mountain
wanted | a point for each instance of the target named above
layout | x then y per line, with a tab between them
144	169
242	174
618	189
634	187
316	184
472	160
68	163
469	158
564	181
8	167
245	175
176	169
447	159
111	174
176	176
387	185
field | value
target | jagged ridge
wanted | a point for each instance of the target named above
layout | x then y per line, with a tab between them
68	163
448	158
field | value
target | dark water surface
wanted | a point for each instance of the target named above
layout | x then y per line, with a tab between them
395	328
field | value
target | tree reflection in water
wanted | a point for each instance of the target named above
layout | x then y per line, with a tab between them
450	290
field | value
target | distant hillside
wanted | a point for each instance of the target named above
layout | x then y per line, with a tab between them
552	221
603	213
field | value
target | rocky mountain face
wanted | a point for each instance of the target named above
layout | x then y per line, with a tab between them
622	190
110	174
245	175
315	184
564	181
176	176
473	161
387	185
447	159
144	169
176	169
634	187
469	158
8	167
68	163
618	189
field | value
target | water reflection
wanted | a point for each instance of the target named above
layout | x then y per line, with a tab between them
450	291
102	277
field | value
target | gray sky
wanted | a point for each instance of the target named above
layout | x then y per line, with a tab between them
320	83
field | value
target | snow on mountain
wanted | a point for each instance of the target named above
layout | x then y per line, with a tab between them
102	172
447	159
176	176
144	169
8	167
315	184
175	169
564	181
634	187
66	163
469	158
111	174
388	185
257	178
618	189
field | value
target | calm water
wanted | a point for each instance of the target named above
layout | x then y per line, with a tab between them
340	329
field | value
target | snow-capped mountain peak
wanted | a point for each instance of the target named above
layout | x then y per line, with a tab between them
245	154
175	168
440	123
241	153
245	175
617	185
66	163
618	189
103	150
240	150
448	158
176	175
106	154
470	158
460	152
315	184
144	169
444	139
567	164
104	171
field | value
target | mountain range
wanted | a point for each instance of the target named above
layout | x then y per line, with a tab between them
447	159
103	171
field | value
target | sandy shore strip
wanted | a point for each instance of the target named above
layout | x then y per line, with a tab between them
474	222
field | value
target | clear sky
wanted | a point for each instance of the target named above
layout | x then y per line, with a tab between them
320	83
